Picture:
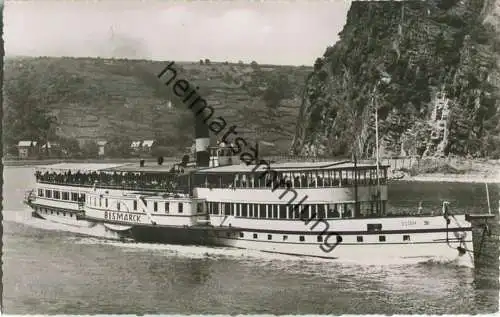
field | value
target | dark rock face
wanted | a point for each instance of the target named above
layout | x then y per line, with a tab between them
429	67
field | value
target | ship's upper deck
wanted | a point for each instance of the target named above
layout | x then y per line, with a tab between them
288	167
75	167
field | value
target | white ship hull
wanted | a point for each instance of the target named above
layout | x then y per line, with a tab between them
356	252
403	237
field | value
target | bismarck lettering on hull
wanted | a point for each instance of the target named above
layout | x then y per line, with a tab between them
121	216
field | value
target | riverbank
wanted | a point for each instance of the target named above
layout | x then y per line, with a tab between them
464	171
80	161
450	178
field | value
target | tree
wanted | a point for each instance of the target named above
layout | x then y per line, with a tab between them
70	146
90	149
25	118
118	146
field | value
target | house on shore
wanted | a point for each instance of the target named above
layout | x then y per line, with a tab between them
51	149
27	149
147	146
135	147
102	148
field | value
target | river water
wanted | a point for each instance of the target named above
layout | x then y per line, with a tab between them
53	269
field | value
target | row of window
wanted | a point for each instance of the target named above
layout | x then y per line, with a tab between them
55	194
307	211
319	238
52	212
309	179
120	205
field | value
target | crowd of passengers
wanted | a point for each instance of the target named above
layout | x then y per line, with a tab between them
267	180
170	181
111	179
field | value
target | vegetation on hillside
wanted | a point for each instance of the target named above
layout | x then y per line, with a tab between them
57	99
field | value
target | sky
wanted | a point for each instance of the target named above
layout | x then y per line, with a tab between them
285	33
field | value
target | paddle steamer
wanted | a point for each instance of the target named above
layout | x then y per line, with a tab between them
325	209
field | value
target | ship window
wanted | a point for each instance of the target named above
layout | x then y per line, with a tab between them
227	209
242	234
285	238
228	234
74	196
269	237
275	211
339	239
381	238
215	208
371	227
255	236
181	207
167	206
301	238
321	211
262	211
155	206
282	209
106	203
40	193
313	211
135	204
406	237
57	194
100	201
303	213
243	210
65	196
320	239
359	238
118	205
200	208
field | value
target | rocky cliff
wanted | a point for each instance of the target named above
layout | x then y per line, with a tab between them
429	68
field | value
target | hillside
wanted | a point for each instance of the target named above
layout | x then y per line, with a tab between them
431	68
92	99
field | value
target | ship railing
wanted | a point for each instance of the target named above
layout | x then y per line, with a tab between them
154	188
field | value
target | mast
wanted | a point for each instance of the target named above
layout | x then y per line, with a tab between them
374	104
356	204
488	197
